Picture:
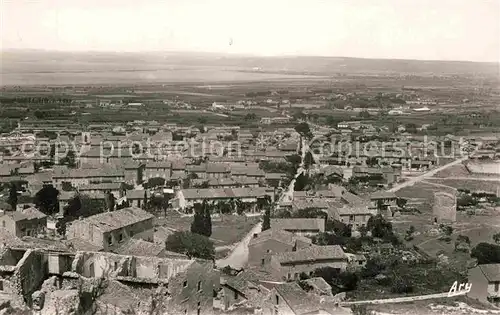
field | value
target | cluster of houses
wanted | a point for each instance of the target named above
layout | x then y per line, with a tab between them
127	247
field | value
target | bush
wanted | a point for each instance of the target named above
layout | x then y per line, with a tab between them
486	253
401	285
190	244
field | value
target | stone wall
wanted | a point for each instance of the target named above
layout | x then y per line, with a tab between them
30	273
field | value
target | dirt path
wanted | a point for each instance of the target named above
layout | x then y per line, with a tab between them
430	173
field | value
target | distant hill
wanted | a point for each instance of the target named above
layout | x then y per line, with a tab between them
23	67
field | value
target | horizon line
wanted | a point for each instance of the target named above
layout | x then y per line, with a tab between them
233	54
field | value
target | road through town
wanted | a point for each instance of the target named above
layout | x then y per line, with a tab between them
238	257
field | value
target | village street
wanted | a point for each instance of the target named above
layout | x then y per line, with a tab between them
238	257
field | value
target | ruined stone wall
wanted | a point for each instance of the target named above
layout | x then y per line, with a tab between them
194	285
30	273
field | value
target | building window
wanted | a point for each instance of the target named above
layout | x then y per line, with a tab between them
120	237
131	233
110	240
199	285
351	218
262	261
185	284
496	286
277	300
1	285
116	265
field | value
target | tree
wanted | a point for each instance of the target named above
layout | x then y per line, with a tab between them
191	244
373	267
401	202
66	186
348	281
301	182
207	219
154	182
250	116
372	161
69	159
411	128
197	226
326	238
401	285
466	201
364	114
110	201
447	230
409	233
266	224
91	206
73	207
486	253
145	201
462	243
339	228
379	227
46	200
496	238
308	160
304	130
12	199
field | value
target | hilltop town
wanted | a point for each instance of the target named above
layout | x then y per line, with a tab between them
278	197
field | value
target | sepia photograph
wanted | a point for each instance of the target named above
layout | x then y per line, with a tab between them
237	157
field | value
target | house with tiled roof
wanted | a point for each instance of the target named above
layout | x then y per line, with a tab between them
485	281
218	170
188	197
299	226
161	169
355	216
382	200
139	247
28	222
110	230
267	243
80	177
289	265
135	197
309	203
117	189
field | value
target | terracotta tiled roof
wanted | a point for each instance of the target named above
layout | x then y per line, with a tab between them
280	236
312	253
110	221
491	271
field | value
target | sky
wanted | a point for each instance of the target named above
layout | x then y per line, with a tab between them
395	29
